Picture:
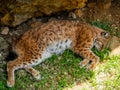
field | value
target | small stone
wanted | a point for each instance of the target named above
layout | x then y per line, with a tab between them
19	18
4	30
72	14
3	62
3	44
1	70
114	43
115	46
1	57
78	13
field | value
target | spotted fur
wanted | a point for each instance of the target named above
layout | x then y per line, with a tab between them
54	37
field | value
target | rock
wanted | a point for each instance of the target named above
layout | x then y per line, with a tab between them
1	70
4	30
19	18
1	57
98	9
115	46
72	14
14	12
3	44
36	24
76	14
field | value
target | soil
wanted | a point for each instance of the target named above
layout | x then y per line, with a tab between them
8	37
115	13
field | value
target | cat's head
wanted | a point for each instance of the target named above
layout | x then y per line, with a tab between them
102	41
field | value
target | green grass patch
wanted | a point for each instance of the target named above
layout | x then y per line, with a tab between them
57	73
104	25
102	54
108	74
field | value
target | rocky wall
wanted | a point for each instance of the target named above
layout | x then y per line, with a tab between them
14	12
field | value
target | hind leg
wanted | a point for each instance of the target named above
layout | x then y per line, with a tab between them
21	62
34	72
10	71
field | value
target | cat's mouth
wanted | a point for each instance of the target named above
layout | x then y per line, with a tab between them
98	45
102	44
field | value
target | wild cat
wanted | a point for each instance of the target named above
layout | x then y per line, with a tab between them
54	37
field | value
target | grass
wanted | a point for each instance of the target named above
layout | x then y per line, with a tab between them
104	25
63	71
107	76
57	73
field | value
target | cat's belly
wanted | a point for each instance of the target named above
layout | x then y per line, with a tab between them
58	47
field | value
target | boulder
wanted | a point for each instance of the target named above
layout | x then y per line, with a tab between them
14	12
115	46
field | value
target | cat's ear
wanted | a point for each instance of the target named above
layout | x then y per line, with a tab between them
105	34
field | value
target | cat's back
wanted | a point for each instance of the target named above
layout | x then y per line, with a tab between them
58	29
48	33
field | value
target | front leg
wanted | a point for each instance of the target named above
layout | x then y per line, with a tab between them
88	56
34	72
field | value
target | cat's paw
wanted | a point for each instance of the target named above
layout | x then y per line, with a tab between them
88	64
92	66
37	77
84	63
10	83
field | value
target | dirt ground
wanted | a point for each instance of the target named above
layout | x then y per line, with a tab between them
115	12
9	34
